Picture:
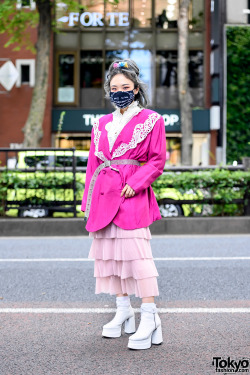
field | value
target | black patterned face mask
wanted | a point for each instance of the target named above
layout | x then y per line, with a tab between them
122	98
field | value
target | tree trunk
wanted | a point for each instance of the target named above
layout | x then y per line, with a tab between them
183	87
33	131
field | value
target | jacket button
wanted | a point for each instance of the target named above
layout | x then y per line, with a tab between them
102	193
104	172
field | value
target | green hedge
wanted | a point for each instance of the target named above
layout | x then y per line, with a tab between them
238	94
218	184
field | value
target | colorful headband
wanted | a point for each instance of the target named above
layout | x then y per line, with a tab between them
121	64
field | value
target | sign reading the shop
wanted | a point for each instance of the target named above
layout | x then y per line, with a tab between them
89	119
171	120
95	19
82	120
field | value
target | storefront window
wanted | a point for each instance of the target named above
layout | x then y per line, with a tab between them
66	78
173	151
93	13
117	14
117	39
166	79
91	81
144	60
167	13
140	39
142	13
197	15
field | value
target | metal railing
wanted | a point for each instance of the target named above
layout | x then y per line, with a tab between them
22	169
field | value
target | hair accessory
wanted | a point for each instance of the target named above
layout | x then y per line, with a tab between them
121	64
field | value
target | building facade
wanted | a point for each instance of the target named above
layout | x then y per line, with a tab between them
88	42
143	30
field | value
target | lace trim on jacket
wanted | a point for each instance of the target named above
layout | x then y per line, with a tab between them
97	134
119	121
139	134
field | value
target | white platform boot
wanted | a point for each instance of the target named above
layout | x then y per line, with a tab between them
149	330
124	314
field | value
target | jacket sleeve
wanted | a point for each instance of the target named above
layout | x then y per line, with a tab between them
150	171
93	163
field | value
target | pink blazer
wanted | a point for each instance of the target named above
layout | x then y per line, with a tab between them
143	138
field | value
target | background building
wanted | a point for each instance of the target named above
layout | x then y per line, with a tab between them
146	31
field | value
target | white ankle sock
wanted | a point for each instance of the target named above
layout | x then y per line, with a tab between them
123	300
149	306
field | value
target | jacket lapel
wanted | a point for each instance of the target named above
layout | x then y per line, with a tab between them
124	136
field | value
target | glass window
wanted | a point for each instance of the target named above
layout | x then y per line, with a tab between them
117	14
91	83
93	13
167	13
197	14
26	4
144	60
166	79
25	73
173	151
140	39
117	40
66	78
141	13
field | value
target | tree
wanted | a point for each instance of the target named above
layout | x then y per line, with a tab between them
14	22
183	88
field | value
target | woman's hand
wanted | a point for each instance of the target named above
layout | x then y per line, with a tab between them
129	192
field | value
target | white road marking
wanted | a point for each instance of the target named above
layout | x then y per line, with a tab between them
201	310
91	260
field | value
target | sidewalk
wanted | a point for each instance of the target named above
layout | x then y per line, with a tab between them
166	226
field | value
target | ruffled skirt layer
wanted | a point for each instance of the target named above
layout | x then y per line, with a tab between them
123	261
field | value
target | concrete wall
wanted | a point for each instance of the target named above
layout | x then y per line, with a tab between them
235	13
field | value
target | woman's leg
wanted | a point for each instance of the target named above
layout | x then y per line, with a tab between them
144	300
148	300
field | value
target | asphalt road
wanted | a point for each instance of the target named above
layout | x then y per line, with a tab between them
51	319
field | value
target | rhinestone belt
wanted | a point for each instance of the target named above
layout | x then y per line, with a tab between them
106	164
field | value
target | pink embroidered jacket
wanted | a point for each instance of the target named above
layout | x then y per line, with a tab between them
142	138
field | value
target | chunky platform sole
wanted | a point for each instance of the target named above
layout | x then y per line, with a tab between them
129	327
155	338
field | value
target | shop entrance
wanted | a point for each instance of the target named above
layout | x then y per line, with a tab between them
68	140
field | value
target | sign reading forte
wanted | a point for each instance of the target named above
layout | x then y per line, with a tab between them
95	19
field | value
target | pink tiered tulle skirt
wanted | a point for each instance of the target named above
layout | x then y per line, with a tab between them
123	261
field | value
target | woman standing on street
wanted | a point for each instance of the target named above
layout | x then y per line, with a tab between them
127	153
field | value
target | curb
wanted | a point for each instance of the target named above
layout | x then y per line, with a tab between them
167	226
